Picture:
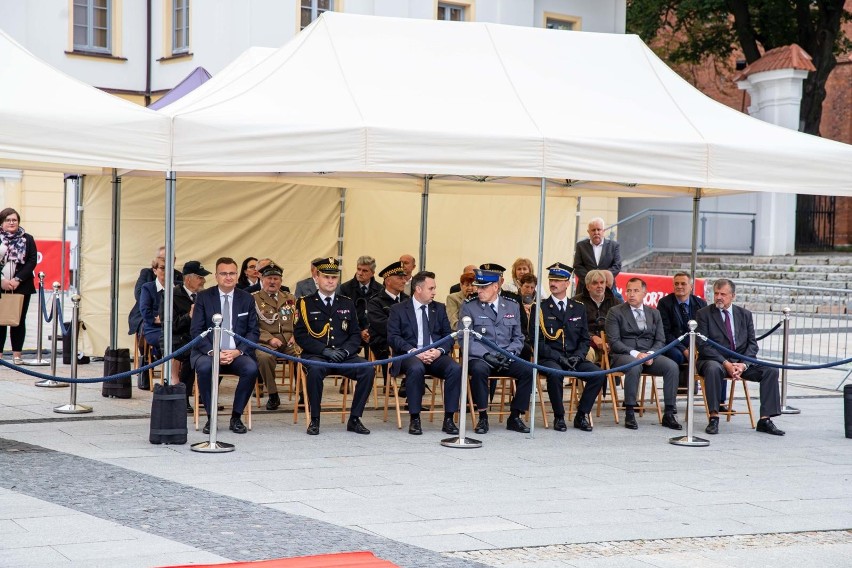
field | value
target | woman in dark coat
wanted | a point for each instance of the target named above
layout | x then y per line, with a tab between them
18	255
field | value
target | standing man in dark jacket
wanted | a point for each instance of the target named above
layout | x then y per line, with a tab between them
596	252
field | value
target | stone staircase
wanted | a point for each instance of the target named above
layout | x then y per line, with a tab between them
808	283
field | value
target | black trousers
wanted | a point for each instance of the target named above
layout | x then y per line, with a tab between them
316	374
479	373
555	389
19	332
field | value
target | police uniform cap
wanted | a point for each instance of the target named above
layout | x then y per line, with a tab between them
271	269
559	271
485	277
327	265
195	267
493	267
393	269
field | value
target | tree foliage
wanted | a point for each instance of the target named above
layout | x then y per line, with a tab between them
690	31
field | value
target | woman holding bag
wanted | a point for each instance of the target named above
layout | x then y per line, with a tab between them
19	255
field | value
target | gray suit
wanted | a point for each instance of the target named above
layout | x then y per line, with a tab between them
305	287
584	260
624	335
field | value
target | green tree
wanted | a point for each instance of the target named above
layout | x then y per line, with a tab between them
690	31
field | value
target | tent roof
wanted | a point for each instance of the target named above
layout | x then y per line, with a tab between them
364	94
49	121
195	79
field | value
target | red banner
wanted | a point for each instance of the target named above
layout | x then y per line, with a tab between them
50	262
658	286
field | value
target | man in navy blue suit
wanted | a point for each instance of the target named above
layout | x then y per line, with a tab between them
236	357
415	323
676	310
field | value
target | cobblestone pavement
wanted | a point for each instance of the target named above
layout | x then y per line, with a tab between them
574	554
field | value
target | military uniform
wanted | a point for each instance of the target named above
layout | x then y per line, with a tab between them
319	327
275	318
564	334
378	310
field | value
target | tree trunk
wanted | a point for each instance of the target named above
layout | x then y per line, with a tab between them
821	49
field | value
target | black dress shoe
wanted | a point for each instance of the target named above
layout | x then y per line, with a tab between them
355	425
517	425
765	425
481	425
206	428
237	426
630	422
559	424
274	401
723	408
450	427
713	425
669	421
581	422
414	427
313	427
189	408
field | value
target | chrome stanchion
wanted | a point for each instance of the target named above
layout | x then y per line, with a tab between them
50	383
784	355
72	407
213	446
689	439
461	441
38	361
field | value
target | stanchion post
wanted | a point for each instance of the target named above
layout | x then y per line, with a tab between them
38	361
213	446
72	407
785	353
462	441
50	383
689	439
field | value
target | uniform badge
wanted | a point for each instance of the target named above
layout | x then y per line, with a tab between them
344	325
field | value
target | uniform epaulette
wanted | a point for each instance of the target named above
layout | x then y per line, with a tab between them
342	296
509	298
471	299
256	292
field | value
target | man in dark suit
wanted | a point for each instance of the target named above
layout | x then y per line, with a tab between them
676	310
134	318
563	343
715	323
415	323
498	319
194	277
596	252
635	331
235	357
327	330
308	286
360	289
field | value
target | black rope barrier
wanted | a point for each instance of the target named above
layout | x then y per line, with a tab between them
754	361
770	332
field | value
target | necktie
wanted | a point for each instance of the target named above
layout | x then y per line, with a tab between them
684	312
640	318
226	321
728	330
364	290
192	297
493	308
561	306
398	299
328	302
424	326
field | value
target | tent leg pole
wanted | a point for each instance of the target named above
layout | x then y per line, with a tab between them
696	202
538	293
341	225
424	220
168	293
114	259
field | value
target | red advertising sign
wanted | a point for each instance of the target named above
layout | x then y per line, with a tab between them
658	286
50	262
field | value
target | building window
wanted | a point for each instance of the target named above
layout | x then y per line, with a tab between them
180	27
451	12
312	9
92	25
560	22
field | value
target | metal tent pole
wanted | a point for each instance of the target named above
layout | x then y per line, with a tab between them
115	243
168	293
540	269
424	220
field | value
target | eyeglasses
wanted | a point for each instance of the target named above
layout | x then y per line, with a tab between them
9	220
227	274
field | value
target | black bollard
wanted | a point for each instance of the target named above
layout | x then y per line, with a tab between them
847	409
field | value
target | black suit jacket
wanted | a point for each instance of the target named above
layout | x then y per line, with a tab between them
574	339
378	311
584	260
710	324
181	322
673	322
402	327
134	318
243	321
318	326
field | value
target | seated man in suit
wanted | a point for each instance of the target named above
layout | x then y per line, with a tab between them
415	323
498	319
360	289
715	322
596	252
676	310
308	286
563	342
149	306
327	330
237	358
635	331
276	310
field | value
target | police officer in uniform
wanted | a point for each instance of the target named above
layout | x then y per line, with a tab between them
563	344
275	311
494	267
327	330
498	319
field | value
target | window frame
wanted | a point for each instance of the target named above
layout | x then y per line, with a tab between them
178	5
90	8
316	11
575	21
465	8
